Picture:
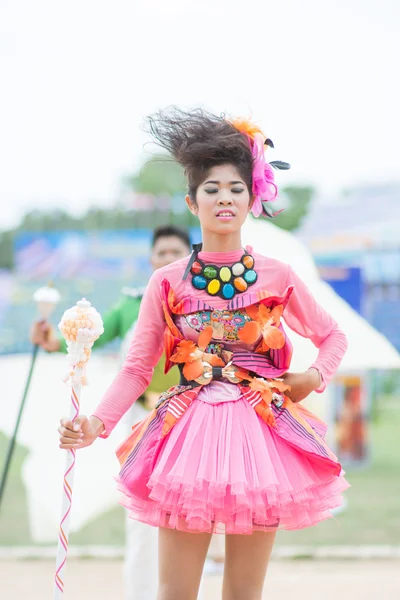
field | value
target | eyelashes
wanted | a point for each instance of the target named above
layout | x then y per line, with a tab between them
215	191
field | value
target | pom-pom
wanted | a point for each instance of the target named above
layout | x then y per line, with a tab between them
80	327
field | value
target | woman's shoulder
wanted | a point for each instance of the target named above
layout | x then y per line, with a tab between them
268	263
173	272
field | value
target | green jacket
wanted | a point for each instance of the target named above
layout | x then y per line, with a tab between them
117	323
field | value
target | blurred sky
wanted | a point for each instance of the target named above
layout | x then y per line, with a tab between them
78	77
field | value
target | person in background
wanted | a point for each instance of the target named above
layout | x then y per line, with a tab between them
169	243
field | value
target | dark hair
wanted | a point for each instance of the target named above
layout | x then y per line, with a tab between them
199	141
170	231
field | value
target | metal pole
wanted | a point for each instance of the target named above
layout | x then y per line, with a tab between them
13	440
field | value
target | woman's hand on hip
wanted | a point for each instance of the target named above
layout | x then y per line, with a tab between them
301	384
79	433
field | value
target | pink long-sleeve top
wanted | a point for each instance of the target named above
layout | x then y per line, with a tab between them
302	314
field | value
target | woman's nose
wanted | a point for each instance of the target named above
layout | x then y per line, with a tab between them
224	197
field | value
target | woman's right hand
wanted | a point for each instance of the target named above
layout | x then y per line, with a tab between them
79	433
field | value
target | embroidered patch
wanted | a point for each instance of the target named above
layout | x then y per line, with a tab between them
225	323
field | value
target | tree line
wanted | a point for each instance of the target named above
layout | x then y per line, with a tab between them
159	176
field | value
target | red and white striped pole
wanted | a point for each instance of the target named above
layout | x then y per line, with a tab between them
80	326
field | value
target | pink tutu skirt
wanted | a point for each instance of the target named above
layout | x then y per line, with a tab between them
222	469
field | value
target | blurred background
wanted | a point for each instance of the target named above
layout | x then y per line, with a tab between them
81	190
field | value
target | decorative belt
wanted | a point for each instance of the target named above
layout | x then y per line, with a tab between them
210	372
269	389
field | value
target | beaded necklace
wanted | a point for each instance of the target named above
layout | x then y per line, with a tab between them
225	281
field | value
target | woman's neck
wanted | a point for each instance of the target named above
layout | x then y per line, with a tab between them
215	242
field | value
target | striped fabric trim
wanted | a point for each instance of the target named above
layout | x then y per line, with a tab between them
186	305
260	364
177	406
129	449
190	304
287	419
317	424
260	297
291	425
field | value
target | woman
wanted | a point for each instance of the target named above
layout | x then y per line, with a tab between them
229	450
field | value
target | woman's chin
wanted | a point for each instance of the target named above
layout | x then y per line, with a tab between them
227	227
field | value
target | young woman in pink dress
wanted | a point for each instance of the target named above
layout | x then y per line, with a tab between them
231	449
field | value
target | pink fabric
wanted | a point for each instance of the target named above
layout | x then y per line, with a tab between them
303	314
222	469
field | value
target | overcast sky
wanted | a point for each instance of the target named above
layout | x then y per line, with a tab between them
78	77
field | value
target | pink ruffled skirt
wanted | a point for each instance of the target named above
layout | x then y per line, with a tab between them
223	469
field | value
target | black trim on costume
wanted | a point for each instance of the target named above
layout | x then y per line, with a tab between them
196	249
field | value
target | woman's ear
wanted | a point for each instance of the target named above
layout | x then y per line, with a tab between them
252	199
191	205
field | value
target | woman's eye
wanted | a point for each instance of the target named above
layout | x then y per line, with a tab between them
211	190
237	190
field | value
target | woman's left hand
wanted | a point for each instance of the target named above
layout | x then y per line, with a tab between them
301	384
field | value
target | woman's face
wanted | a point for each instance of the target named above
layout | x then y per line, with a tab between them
222	201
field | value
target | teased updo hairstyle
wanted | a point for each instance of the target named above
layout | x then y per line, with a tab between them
199	141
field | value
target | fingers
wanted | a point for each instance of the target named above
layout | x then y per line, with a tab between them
65	446
68	424
71	433
82	424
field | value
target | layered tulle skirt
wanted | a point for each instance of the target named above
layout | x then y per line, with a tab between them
221	468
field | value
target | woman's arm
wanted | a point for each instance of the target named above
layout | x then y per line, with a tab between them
143	355
307	318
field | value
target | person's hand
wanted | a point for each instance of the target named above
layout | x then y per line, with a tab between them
301	384
42	334
79	433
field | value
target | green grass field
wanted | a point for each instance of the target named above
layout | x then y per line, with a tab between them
371	517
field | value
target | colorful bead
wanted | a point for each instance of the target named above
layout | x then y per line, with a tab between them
214	287
197	268
224	281
248	261
250	276
199	282
228	291
238	269
225	274
277	399
210	272
240	284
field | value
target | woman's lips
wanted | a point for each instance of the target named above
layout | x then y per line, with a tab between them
225	215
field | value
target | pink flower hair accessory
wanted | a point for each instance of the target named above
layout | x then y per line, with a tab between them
264	186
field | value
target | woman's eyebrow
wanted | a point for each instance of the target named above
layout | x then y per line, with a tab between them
218	182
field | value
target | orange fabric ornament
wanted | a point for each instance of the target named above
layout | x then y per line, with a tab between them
194	355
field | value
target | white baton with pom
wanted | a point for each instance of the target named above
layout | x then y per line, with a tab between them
80	326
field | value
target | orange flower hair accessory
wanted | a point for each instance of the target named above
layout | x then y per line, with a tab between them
247	127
